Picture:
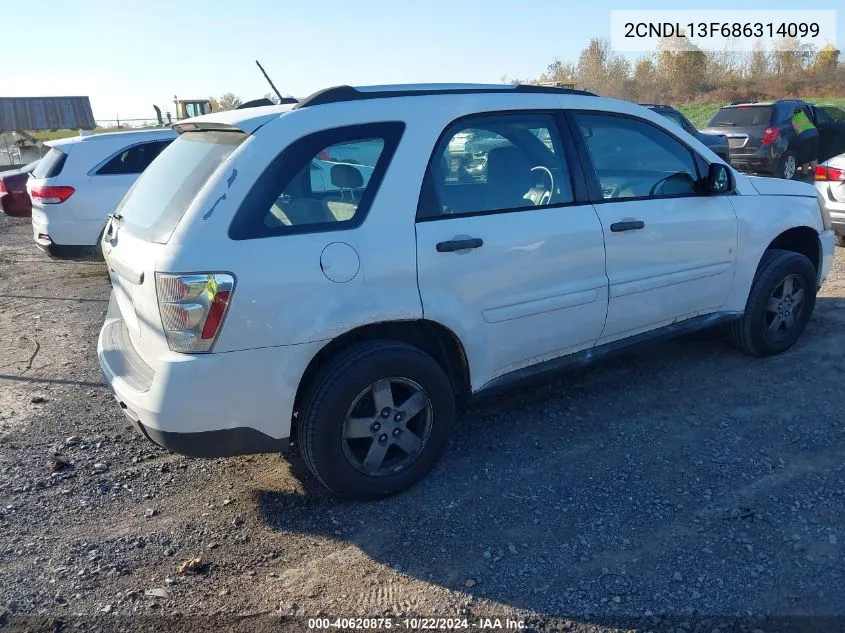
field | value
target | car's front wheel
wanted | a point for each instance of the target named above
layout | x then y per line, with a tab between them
376	419
779	305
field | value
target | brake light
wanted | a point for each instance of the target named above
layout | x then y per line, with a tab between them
770	135
51	195
192	308
3	186
829	173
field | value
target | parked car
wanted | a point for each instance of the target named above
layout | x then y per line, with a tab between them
80	181
830	182
762	139
718	143
14	200
250	311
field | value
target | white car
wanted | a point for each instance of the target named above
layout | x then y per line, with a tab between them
830	182
81	180
251	309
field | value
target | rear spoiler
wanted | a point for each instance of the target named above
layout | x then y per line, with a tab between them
203	126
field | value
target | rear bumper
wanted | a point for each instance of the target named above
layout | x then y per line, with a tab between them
65	238
205	405
766	162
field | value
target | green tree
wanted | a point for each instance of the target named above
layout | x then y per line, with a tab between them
228	101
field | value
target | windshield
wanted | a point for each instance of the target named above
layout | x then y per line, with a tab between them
742	116
154	205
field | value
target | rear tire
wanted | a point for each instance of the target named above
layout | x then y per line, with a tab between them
775	316
840	240
350	419
787	165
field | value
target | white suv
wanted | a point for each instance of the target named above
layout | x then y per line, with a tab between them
81	180
258	302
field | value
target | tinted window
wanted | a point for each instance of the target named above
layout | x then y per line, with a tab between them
635	159
322	182
822	116
156	202
676	118
133	160
501	162
836	114
742	116
50	165
329	187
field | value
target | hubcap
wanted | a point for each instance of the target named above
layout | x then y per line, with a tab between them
789	167
785	306
381	437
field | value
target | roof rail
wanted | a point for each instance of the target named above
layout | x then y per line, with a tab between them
655	105
339	94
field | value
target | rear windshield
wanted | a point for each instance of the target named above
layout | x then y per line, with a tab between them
50	165
154	205
742	116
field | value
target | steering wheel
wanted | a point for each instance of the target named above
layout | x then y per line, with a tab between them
678	176
547	195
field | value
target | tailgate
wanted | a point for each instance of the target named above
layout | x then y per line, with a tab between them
131	262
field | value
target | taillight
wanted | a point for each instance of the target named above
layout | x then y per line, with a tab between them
51	195
824	172
770	135
192	308
3	186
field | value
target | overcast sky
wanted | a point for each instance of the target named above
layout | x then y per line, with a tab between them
126	59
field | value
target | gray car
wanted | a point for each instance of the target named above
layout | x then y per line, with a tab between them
830	181
717	143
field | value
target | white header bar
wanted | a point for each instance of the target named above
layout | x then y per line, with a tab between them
720	30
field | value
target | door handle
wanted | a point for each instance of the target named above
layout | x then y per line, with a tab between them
627	225
459	245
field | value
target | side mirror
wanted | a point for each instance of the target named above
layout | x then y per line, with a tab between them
719	179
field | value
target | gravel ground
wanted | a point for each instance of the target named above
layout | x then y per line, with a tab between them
675	484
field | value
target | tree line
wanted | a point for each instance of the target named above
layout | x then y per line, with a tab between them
679	74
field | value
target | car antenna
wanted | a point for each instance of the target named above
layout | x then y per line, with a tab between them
270	81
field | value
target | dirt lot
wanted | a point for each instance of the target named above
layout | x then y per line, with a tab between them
685	481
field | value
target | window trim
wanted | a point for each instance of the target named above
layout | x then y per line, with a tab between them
593	183
427	200
246	223
94	170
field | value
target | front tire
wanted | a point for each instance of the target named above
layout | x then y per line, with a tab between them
779	305
376	419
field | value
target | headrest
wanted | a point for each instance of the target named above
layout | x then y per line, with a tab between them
508	168
346	177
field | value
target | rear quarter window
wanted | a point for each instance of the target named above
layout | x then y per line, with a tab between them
50	165
325	181
154	205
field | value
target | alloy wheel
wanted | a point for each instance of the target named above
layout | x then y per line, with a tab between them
784	306
381	437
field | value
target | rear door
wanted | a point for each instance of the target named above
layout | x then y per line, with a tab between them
670	250
510	254
831	123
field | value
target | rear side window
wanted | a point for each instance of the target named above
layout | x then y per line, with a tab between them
133	160
50	165
155	204
493	163
742	116
836	114
325	181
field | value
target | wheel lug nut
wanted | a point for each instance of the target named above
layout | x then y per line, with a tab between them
376	426
396	432
382	438
385	413
398	417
